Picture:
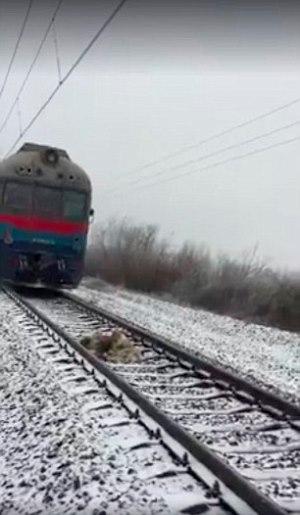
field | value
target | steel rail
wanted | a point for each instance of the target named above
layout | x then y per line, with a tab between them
235	483
92	383
266	400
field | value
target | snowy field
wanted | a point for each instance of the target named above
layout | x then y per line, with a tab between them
57	455
266	356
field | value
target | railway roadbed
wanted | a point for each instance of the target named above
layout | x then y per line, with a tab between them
241	444
265	356
70	442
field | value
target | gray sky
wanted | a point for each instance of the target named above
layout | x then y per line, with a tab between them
166	75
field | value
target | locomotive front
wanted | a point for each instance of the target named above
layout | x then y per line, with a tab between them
45	205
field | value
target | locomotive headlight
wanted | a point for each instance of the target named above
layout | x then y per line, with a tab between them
61	264
8	239
23	262
51	156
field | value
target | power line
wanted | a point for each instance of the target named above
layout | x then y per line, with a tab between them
56	52
32	65
19	116
211	154
17	46
67	75
231	159
214	136
220	163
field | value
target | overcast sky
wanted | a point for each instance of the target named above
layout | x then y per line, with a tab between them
163	77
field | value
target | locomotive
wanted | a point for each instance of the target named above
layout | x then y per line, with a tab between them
45	210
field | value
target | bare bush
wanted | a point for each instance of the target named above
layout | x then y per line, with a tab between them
134	256
284	310
193	273
131	255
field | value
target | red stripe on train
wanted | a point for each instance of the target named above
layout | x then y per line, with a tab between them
33	223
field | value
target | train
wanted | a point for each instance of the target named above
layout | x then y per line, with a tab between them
45	213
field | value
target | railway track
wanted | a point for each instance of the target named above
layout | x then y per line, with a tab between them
249	438
159	473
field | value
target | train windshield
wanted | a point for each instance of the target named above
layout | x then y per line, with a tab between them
18	197
74	205
47	202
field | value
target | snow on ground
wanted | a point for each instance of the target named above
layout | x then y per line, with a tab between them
266	356
56	453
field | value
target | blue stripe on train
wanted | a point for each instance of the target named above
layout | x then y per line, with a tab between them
41	241
17	242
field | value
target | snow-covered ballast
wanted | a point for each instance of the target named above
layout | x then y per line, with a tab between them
45	204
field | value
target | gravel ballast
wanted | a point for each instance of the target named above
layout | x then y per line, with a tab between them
266	356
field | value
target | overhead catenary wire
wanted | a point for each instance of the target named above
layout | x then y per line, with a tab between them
69	72
209	155
19	116
214	136
56	52
37	54
16	47
217	164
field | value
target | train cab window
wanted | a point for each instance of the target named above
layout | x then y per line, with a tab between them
47	202
18	197
74	205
